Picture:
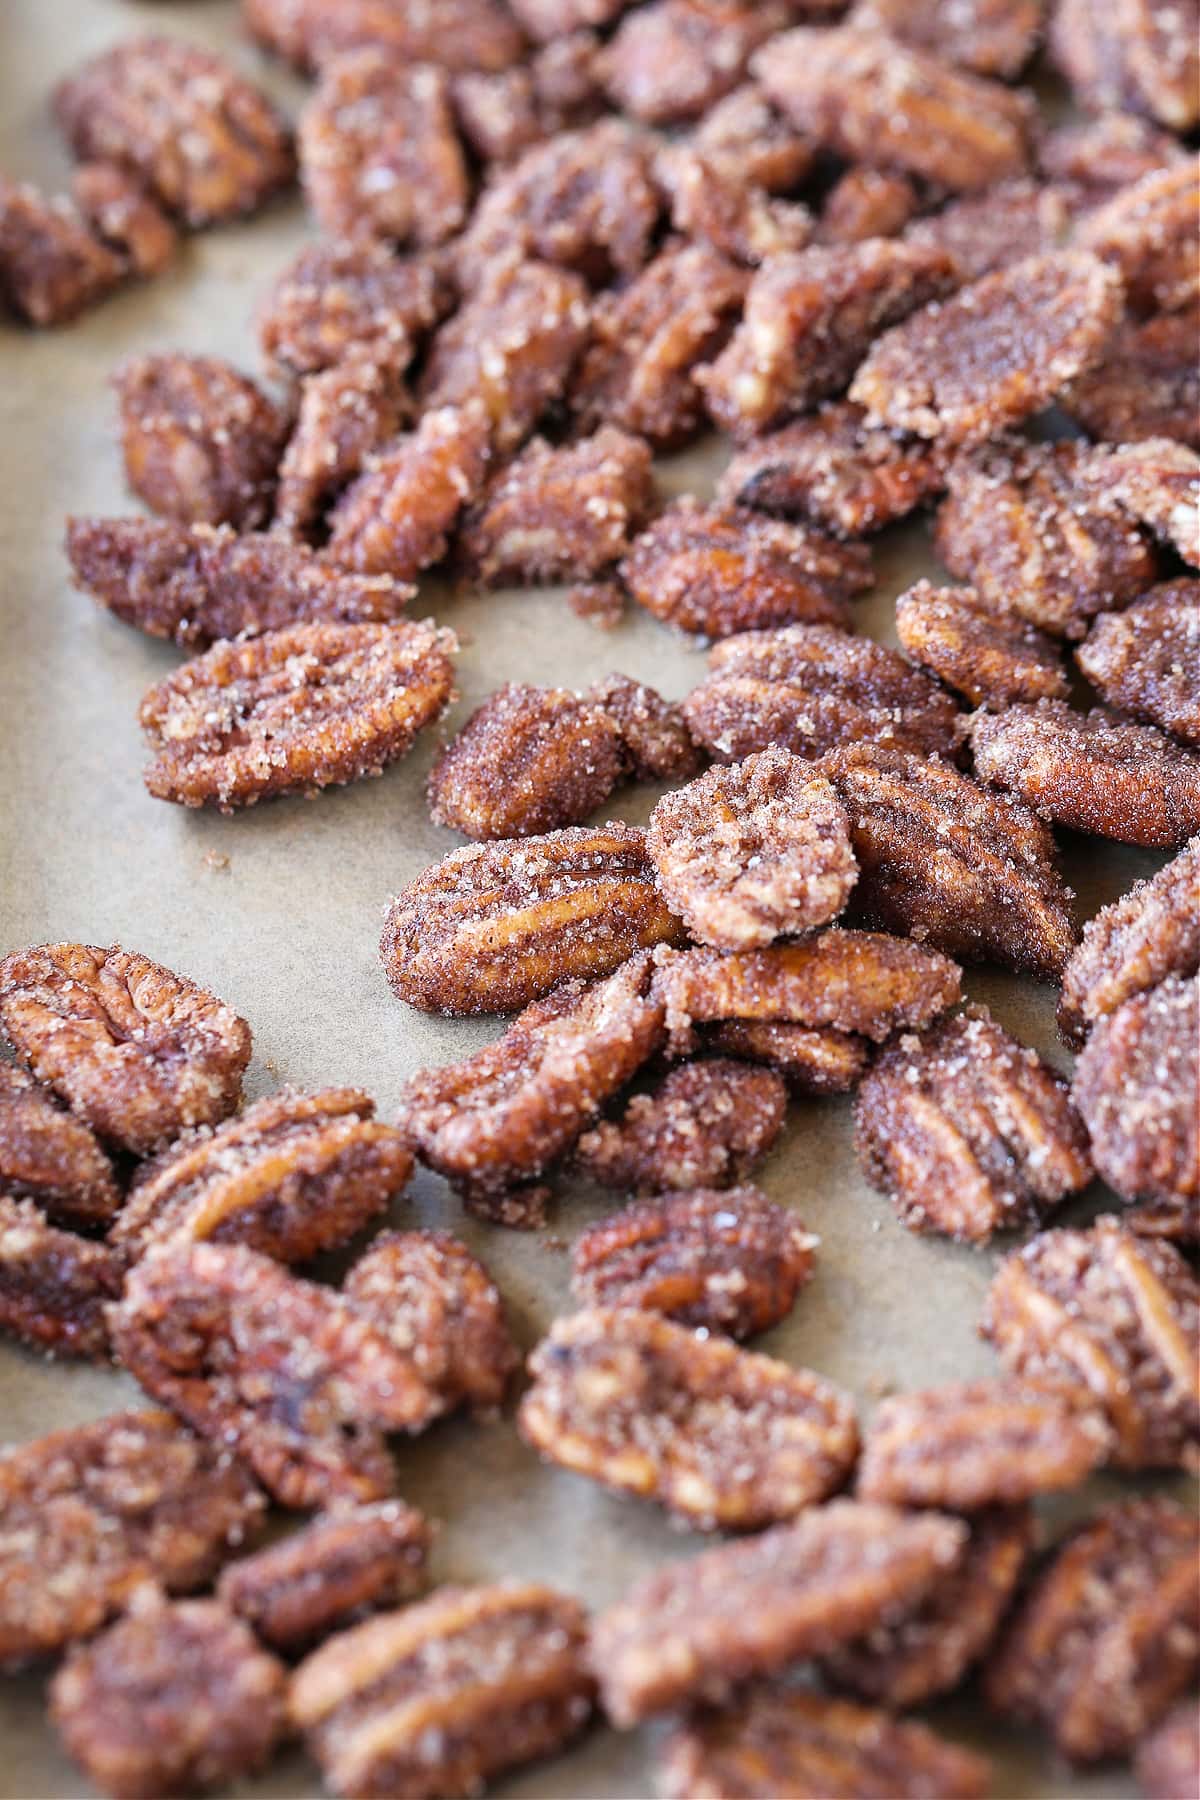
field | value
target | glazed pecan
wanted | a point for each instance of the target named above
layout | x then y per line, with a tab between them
379	153
1168	1758
490	929
963	369
820	1061
1019	524
836	470
969	1131
1146	385
649	338
438	1304
201	441
1134	56
781	1739
208	143
712	201
728	1261
48	1155
346	1563
1095	158
860	93
722	1437
397	518
1159	483
544	20
124	216
1092	772
137	1051
555	514
990	37
1146	660
1153	931
705	1126
927	1651
672	60
719	570
176	1697
89	1514
54	1286
808	688
983	1443
195	584
810	319
337	299
851	981
433	1700
967	870
745	135
511	346
500	1118
657	744
1136	1085
52	267
866	203
458	34
528	760
991	658
293	1175
344	416
1148	232
280	1370
1116	1318
753	852
1109	1635
294	711
982	232
695	1629
498	115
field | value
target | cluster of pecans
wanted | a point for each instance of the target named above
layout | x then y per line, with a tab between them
559	236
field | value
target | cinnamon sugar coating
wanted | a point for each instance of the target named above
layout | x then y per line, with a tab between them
54	1286
867	203
1003	225
745	135
1130	946
657	744
397	518
1146	385
124	216
989	37
706	1125
338	299
344	416
52	267
713	203
1168	1758
1094	158
1146	660
990	658
457	34
1135	57
544	20
670	61
811	1061
50	1156
1147	232
1158	483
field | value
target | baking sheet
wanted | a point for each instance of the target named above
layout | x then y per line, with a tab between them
278	911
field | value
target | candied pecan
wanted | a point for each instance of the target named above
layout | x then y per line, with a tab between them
566	81
721	1437
293	1175
962	369
1159	483
991	658
1109	1635
54	1286
208	143
89	1514
1137	1083
1095	158
1019	524
706	1126
124	216
810	319
1115	1317
379	154
498	115
489	929
745	135
48	1155
727	1261
397	517
873	100
1146	385
834	469
1167	1762
176	1697
510	347
294	710
853	981
969	1131
137	1051
985	231
280	1370
927	1651
648	339
544	20
458	34
654	738
439	1305
1153	931
753	852
808	688
557	513
346	1563
201	441
1146	660
528	760
672	60
781	1739
813	1062
1148	231
198	583
501	1117
52	268
344	416
720	570
956	866
989	37
1132	55
1092	772
695	1629
433	1700
600	603
335	299
866	203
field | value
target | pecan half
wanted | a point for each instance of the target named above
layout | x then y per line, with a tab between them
867	203
705	1126
1095	158
990	37
1147	231
333	300
52	267
1146	660
712	201
1146	385
398	516
1135	57
48	1155
992	659
982	232
457	34
54	1286
345	415
655	740
1158	482
821	1061
545	19
124	216
669	62
722	1437
1153	931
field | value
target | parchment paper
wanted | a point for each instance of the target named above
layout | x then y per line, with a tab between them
278	911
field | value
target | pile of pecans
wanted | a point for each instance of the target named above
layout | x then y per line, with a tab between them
555	238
